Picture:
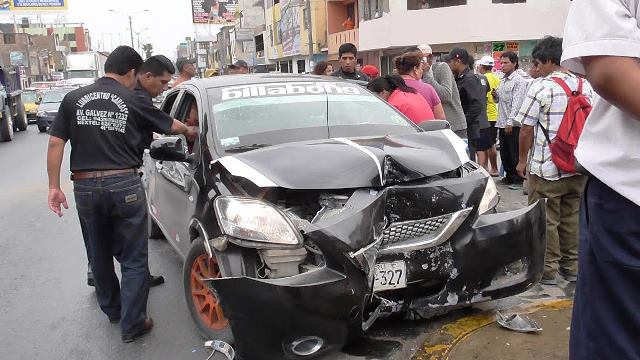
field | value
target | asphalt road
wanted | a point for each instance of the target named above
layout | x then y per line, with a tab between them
48	312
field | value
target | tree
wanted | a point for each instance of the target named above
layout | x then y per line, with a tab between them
148	50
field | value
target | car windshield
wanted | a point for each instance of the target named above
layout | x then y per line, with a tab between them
251	116
29	97
54	96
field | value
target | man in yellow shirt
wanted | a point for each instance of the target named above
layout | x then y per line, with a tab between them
485	68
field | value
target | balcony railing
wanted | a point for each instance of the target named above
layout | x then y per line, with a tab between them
337	39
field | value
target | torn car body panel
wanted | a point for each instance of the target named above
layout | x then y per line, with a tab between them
340	164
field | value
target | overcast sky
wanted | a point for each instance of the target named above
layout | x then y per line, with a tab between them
169	22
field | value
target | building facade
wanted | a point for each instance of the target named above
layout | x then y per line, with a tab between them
482	27
293	39
343	25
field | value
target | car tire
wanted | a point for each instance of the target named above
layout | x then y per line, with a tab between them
42	128
6	125
204	307
21	119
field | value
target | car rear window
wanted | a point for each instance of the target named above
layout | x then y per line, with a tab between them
285	112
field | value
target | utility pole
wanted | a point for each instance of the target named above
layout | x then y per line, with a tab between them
130	16
309	31
131	29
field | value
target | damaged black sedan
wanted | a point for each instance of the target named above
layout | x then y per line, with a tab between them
308	208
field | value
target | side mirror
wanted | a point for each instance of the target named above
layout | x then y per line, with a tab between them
169	148
433	125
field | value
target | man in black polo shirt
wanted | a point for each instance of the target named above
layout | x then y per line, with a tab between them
473	96
347	54
108	133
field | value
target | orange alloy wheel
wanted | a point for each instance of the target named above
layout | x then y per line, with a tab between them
206	303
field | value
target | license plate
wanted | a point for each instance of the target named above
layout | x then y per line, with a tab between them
391	275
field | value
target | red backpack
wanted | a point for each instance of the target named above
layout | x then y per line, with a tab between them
566	140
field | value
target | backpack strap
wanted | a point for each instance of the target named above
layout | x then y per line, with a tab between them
579	85
565	87
545	132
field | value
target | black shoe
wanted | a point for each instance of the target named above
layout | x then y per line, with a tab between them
90	280
155	280
506	181
147	325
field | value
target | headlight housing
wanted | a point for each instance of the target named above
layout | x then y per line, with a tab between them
255	220
491	197
41	113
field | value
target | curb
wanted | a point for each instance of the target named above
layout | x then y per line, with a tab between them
439	345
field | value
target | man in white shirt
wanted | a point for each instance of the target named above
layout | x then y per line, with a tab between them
606	316
541	114
510	94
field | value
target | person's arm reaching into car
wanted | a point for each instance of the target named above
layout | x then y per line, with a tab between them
159	121
616	79
179	128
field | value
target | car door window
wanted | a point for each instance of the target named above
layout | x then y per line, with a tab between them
190	113
169	101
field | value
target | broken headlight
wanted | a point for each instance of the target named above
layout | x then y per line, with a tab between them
490	198
255	220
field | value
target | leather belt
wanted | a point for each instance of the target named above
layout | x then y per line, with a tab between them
79	175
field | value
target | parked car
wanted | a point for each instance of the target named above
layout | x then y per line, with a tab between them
308	208
31	100
48	108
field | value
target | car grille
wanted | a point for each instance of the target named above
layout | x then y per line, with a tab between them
408	230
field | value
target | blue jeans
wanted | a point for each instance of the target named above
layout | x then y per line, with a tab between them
113	217
606	320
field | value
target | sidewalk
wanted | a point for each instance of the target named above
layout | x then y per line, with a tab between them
497	343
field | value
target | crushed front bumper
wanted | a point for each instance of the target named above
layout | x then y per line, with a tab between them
269	317
487	257
496	256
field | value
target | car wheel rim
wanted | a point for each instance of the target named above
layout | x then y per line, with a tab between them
205	302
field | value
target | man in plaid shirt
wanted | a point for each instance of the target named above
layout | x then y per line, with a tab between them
544	108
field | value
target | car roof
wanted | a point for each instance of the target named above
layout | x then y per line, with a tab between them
249	79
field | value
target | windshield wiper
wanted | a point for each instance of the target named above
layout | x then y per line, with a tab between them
241	148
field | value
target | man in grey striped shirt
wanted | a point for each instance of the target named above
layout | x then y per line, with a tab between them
543	110
510	94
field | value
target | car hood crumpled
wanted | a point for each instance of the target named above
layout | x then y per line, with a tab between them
341	163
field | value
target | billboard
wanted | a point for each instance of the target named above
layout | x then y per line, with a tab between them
214	11
17	58
290	27
33	5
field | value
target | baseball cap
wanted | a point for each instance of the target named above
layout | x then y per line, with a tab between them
370	70
181	62
239	64
486	61
426	49
457	53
